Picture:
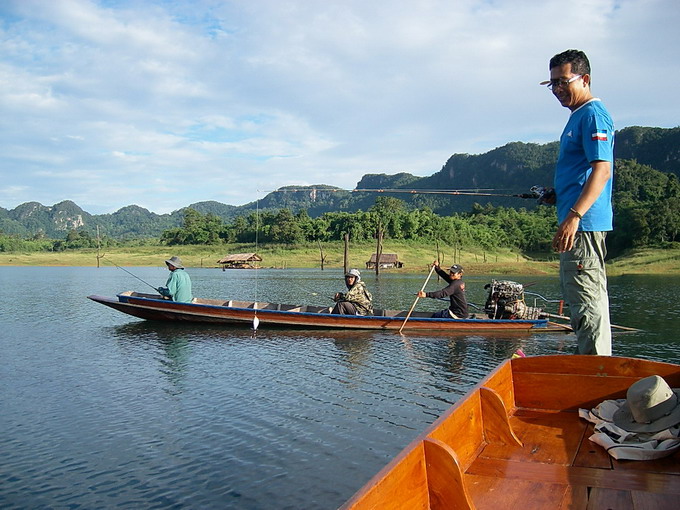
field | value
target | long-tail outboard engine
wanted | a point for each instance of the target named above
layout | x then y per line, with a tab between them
506	301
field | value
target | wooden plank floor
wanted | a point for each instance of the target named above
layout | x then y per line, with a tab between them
558	467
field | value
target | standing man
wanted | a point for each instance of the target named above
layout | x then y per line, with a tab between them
583	195
455	291
178	286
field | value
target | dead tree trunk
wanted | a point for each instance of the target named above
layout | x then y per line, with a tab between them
323	257
378	250
346	257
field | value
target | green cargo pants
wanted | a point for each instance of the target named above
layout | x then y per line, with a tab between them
584	289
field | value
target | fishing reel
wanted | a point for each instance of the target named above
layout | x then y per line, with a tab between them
542	194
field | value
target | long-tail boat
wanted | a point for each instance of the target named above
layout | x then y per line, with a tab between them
155	307
516	441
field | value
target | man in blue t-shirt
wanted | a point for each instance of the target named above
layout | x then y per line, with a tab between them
583	195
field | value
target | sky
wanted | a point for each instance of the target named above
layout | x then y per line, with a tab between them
162	104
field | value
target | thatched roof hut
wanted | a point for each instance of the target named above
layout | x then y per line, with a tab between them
239	261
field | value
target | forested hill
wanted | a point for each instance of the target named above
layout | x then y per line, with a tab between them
512	168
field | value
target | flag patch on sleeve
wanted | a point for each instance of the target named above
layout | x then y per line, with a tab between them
599	135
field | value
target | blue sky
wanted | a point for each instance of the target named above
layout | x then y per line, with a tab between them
166	103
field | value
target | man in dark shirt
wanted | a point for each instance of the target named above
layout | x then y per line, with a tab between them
455	290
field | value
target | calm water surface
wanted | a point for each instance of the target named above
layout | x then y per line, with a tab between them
102	410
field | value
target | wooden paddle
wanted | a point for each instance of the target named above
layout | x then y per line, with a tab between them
414	303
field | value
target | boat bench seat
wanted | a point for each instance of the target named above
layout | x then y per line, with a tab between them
302	308
561	468
265	306
289	308
394	313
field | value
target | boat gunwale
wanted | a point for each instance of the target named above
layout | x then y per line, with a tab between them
536	323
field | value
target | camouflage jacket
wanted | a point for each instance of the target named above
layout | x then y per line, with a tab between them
359	296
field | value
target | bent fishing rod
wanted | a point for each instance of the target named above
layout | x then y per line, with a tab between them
131	274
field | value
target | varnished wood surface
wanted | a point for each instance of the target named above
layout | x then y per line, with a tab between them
516	442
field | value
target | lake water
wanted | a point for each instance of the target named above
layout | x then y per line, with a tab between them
102	410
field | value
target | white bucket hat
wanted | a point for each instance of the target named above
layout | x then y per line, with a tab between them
651	406
355	273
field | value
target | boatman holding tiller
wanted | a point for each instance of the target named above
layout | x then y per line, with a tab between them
357	300
455	291
178	286
583	195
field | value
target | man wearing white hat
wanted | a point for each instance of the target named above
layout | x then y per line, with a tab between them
178	286
357	300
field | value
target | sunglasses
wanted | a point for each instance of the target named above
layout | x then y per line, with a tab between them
558	82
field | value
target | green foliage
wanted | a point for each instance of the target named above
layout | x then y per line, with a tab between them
80	239
197	229
74	240
656	147
285	228
646	207
486	227
14	243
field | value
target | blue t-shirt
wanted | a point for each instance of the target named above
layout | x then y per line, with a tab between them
587	137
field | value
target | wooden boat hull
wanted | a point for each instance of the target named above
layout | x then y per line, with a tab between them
516	441
152	307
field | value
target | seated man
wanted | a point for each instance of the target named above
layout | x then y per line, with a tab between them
357	300
178	286
458	309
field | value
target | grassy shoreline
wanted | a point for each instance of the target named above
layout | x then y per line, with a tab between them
414	257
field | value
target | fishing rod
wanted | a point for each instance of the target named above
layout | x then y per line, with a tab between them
306	289
615	326
459	192
536	192
131	274
542	297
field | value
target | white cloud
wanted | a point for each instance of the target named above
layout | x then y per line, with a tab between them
162	104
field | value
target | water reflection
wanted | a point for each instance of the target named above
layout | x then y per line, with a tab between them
356	354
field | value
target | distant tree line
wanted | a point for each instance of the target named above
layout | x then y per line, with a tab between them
74	240
488	227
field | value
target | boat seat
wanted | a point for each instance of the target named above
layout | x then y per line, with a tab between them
290	308
394	313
